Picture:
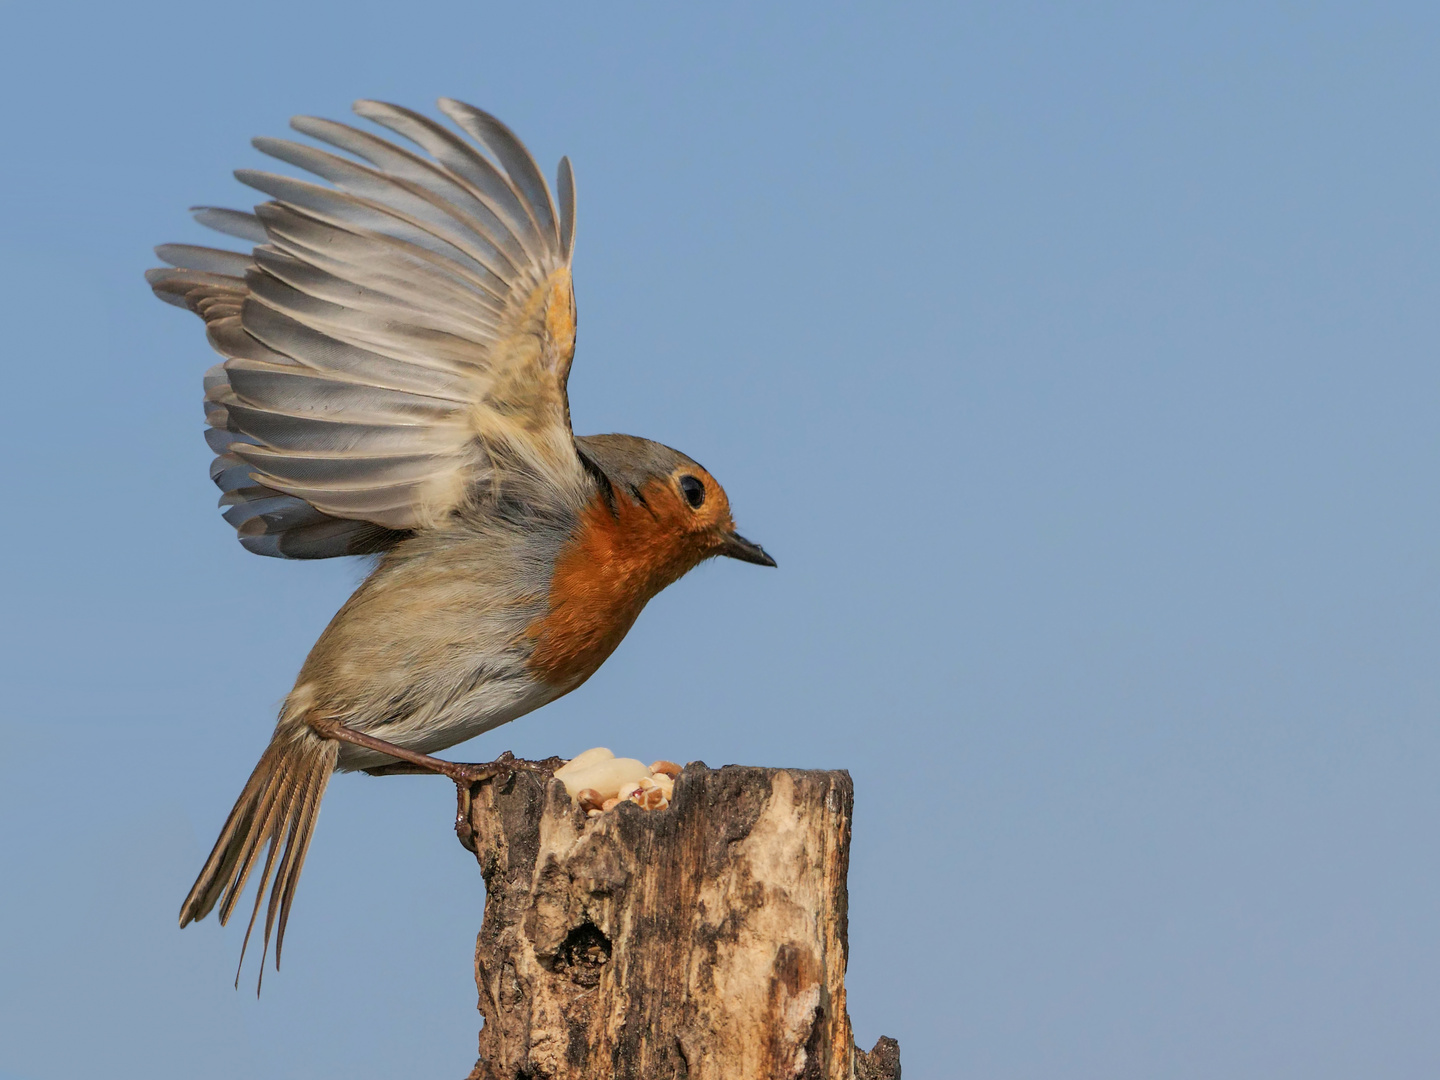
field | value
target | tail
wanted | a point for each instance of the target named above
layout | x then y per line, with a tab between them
279	804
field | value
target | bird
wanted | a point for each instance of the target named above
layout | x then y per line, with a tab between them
396	345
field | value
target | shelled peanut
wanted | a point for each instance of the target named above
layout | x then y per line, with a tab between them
599	781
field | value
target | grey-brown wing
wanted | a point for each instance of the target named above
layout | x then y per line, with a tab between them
393	339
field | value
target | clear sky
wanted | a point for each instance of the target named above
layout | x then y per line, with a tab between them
1078	363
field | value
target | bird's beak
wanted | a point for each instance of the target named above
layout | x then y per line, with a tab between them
737	547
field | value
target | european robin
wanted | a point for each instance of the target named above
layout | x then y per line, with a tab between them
397	344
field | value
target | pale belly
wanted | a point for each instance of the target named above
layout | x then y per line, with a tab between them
442	720
430	653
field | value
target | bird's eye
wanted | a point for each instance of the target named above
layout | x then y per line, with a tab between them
693	490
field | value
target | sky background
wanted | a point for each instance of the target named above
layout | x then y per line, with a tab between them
1078	363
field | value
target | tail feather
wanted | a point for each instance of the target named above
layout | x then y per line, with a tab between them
277	808
302	825
262	824
295	850
282	795
220	866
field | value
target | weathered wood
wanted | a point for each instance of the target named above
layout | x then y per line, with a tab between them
706	940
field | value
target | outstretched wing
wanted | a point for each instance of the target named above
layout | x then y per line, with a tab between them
396	336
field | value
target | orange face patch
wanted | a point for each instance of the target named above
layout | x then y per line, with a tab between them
613	565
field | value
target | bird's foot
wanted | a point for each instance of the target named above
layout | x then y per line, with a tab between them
468	775
462	772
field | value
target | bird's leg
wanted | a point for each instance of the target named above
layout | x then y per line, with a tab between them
464	774
400	768
411	761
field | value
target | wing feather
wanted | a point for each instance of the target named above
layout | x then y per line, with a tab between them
208	259
440	182
466	163
402	199
237	223
284	338
565	184
338	470
342	210
367	330
514	159
326	247
307	432
289	387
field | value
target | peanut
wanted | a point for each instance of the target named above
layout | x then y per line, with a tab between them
606	775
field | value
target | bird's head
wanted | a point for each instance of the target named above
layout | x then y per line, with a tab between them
668	503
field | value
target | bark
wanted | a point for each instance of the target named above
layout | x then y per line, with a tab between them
706	940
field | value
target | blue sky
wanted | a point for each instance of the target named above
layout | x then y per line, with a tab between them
1076	362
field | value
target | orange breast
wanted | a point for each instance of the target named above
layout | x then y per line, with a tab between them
611	568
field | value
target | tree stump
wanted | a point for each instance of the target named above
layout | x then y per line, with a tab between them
706	940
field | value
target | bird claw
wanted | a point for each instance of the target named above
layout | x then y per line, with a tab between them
467	775
505	766
464	831
501	769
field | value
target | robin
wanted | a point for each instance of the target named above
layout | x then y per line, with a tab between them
397	344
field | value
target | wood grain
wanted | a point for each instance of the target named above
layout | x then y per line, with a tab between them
707	940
